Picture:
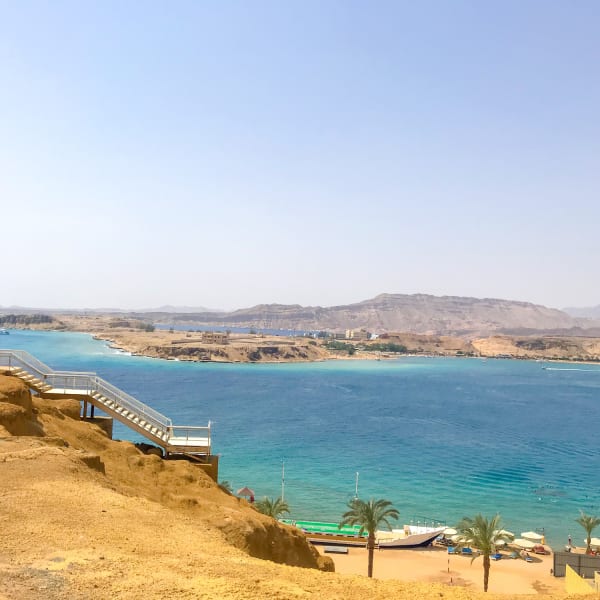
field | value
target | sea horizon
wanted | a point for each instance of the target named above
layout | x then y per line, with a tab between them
441	438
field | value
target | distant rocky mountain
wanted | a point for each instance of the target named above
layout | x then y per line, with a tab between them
416	313
178	309
590	312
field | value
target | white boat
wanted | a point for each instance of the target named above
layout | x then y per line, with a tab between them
3	331
411	536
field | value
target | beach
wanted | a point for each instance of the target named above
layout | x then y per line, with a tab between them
435	565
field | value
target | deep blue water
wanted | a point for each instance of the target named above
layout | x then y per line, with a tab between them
439	437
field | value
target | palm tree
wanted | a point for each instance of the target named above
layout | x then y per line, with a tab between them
272	508
589	523
226	486
484	534
369	515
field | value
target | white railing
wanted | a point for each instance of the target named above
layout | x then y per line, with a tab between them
20	358
89	383
71	381
183	433
130	403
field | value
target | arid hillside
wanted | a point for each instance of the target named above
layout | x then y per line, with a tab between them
412	313
84	517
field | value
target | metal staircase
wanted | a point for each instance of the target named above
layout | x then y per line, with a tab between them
116	403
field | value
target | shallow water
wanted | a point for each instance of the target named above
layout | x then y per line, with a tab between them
441	438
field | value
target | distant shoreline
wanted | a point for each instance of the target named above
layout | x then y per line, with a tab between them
142	339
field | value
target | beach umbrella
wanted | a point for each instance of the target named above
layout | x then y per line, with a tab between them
532	535
456	537
450	531
500	543
523	543
505	532
245	491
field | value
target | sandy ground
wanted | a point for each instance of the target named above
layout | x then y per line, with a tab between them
84	517
514	576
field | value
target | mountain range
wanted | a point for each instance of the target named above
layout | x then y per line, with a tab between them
414	313
588	312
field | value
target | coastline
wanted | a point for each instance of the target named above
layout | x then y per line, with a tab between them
143	339
133	347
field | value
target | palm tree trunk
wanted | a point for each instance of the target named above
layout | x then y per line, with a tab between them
486	572
371	551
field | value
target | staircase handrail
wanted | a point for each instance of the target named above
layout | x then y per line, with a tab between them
175	429
129	402
92	383
22	358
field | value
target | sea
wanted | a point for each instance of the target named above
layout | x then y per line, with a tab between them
441	438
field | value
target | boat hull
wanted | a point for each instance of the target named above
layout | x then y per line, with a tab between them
325	533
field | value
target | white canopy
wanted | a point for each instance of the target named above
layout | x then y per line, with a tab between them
505	532
523	543
450	531
532	535
593	542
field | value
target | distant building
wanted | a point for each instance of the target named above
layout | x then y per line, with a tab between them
357	334
215	337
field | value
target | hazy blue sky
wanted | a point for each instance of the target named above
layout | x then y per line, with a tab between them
225	154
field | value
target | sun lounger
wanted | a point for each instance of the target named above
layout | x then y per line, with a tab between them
496	556
336	549
514	554
466	552
451	550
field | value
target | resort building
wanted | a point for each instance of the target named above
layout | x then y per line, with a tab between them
357	334
215	337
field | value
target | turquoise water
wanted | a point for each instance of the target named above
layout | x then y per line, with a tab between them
441	438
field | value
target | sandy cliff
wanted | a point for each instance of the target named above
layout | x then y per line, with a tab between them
84	517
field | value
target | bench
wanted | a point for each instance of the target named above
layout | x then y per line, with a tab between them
336	549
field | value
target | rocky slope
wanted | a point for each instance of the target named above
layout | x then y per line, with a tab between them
588	312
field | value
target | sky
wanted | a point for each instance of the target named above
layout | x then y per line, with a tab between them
226	154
